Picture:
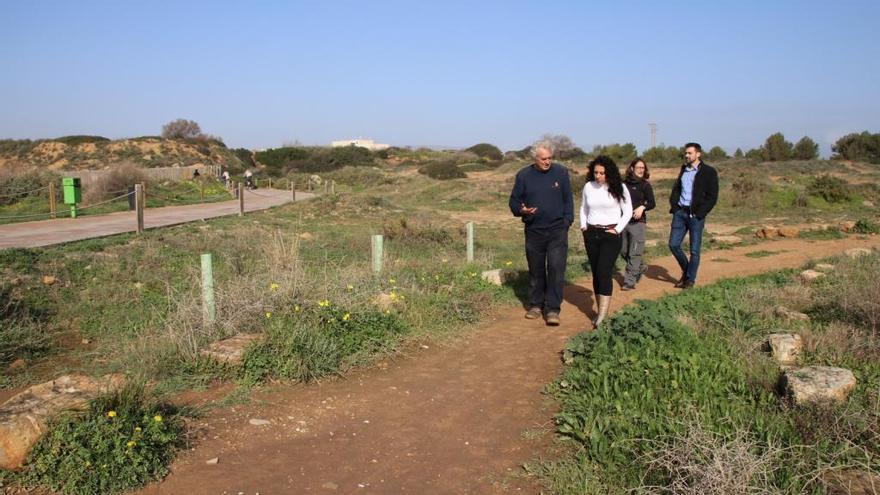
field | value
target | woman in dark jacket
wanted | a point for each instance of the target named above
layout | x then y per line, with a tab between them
633	236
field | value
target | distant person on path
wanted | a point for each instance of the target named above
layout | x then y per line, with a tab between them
693	196
605	211
542	197
633	236
225	177
196	173
249	179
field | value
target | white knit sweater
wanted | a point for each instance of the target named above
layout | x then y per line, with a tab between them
600	208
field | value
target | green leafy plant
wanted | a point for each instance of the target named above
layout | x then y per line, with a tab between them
122	442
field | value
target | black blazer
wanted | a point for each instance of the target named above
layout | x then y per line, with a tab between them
705	193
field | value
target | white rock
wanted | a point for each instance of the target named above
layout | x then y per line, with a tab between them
810	275
499	276
788	314
824	267
230	350
857	252
259	422
785	347
212	461
818	384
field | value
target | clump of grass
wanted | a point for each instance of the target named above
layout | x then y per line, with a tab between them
123	441
415	233
748	189
864	226
121	176
762	253
830	188
21	331
443	171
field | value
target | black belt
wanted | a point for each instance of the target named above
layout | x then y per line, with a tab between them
601	227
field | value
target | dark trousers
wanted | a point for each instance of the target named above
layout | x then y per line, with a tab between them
546	254
603	249
683	222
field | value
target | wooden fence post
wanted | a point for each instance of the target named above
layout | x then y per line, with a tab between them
52	200
241	199
293	191
139	206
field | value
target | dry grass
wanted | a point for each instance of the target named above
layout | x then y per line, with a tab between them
700	462
121	176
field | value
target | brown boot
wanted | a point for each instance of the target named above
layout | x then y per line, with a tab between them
604	302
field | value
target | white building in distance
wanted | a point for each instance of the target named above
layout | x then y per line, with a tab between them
363	143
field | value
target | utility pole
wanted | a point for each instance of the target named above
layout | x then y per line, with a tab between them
653	127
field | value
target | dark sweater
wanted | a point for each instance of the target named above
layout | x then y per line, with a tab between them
642	194
549	191
704	195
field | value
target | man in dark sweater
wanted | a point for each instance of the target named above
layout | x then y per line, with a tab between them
542	197
693	197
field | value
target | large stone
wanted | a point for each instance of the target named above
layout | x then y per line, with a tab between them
847	225
857	252
788	314
767	232
24	417
810	275
231	350
784	347
499	276
383	301
818	384
788	232
727	239
824	267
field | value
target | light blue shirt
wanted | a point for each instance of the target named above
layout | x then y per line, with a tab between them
687	185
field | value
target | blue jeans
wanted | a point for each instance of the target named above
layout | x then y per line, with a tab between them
683	222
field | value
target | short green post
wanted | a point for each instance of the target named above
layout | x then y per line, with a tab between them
209	310
470	242
377	253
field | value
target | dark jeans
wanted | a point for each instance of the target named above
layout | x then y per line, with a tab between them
602	250
683	222
546	254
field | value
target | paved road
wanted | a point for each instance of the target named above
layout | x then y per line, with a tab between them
48	232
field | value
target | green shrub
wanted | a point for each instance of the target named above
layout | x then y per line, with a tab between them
805	149
866	227
748	189
76	140
663	155
830	188
320	341
717	153
776	148
122	442
17	184
416	234
486	150
443	171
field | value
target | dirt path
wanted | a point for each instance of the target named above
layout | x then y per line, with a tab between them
450	419
48	232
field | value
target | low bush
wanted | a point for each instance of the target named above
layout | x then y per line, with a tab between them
20	182
486	150
748	189
314	342
76	140
417	234
831	189
122	442
863	226
443	171
117	181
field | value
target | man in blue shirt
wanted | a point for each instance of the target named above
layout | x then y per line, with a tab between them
693	196
541	196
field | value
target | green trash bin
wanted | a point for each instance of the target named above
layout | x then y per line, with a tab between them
72	193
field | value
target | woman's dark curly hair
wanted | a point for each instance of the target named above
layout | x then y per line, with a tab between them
612	175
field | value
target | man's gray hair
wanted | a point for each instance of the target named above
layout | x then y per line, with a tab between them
547	145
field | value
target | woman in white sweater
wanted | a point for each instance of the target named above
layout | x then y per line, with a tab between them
605	210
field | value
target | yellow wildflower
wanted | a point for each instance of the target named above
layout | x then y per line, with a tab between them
445	260
296	308
273	287
393	296
268	314
392	281
350	287
130	444
111	414
88	463
157	418
137	428
508	263
324	303
346	316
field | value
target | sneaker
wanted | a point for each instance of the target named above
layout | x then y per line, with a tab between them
627	287
553	319
533	313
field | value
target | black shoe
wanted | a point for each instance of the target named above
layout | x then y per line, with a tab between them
680	284
688	284
627	287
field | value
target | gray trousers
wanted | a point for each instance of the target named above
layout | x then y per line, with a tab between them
633	238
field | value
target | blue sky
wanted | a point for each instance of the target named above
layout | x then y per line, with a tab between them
449	73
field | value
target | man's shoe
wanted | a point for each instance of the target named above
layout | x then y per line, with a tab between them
688	284
681	282
553	319
533	313
627	287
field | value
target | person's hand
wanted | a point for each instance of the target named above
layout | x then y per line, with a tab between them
612	231
637	213
525	210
